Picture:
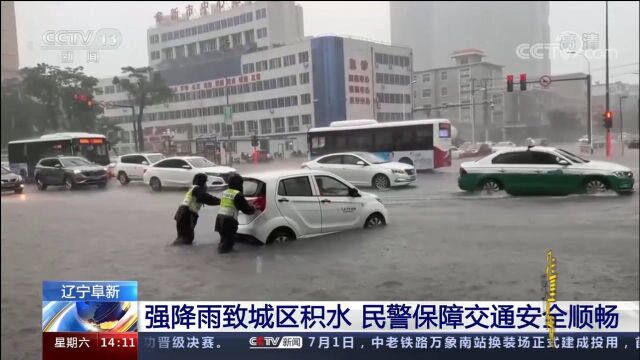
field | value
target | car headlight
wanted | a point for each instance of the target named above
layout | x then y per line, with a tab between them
623	174
76	171
399	172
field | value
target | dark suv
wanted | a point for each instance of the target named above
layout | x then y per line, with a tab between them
69	171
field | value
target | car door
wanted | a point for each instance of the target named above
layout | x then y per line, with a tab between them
549	176
514	170
183	172
138	166
353	172
56	172
44	170
299	205
331	163
166	171
340	211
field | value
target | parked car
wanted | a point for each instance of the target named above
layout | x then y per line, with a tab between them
179	171
476	150
634	143
365	169
70	172
302	203
131	167
543	170
11	181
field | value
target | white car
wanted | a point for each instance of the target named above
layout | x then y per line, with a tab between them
179	171
304	203
365	169
131	167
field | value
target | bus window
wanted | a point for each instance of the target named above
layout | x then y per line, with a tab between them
341	141
317	142
404	138
361	141
424	138
383	140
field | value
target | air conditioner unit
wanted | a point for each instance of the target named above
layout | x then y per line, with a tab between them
306	65
271	111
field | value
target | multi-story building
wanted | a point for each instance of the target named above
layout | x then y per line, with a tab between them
9	41
434	29
276	89
453	92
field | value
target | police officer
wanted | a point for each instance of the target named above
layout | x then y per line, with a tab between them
232	202
187	215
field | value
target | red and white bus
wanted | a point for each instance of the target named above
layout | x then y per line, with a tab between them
424	144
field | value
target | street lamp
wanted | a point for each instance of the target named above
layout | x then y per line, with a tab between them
590	121
404	93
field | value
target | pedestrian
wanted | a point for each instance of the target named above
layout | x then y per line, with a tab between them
187	215
231	203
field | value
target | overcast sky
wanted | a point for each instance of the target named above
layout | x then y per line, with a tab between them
362	19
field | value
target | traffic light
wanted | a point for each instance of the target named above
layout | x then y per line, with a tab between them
607	118
523	82
254	140
85	101
509	83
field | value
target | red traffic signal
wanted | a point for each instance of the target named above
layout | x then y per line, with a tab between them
509	83
523	82
608	119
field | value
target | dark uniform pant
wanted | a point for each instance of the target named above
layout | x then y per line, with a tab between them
227	227
185	224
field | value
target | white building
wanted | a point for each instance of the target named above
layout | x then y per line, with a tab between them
277	87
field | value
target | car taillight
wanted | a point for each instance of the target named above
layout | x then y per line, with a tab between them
463	172
260	202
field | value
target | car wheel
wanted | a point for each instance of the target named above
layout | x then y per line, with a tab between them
491	186
594	186
281	236
381	182
68	183
155	184
374	220
18	191
122	177
406	160
40	184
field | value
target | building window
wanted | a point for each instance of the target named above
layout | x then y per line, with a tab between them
109	89
248	68
261	65
303	57
304	78
252	127
443	91
249	36
261	13
278	124
305	99
289	60
192	50
426	77
275	63
154	39
306	119
262	33
443	75
236	39
238	128
179	52
293	123
168	53
155	55
265	126
426	93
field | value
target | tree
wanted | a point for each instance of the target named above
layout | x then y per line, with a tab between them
20	113
145	87
108	129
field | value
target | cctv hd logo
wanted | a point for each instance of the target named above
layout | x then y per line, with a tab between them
275	342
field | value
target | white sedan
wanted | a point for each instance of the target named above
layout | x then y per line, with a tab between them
365	169
304	203
179	172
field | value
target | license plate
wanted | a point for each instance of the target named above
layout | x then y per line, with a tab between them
412	178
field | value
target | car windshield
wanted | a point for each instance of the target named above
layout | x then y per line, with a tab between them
573	157
155	158
200	163
5	171
68	162
371	158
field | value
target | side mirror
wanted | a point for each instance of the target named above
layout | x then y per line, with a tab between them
144	163
353	192
57	166
361	163
562	162
186	167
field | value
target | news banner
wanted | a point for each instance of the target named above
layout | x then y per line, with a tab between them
106	320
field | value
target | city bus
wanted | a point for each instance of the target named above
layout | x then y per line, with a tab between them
25	154
424	144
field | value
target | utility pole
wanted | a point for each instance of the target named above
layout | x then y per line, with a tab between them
486	112
620	98
606	32
473	111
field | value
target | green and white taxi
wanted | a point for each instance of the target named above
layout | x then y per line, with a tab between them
537	170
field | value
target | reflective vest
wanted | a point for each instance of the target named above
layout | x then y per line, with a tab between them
227	206
191	202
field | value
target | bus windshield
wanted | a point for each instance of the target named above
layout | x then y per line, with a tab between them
371	158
